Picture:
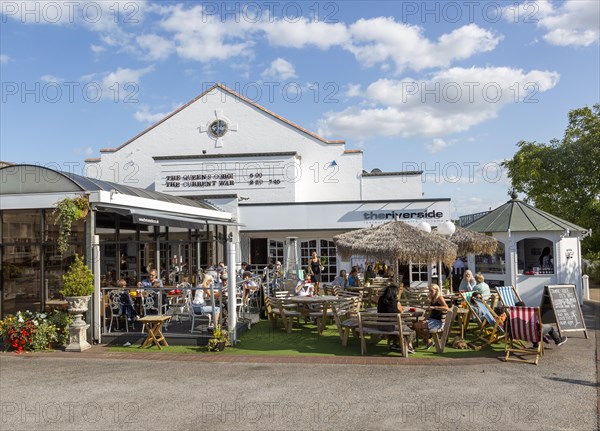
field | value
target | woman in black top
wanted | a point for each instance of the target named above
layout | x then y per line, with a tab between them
389	302
315	271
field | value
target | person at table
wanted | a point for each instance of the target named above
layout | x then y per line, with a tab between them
468	282
151	281
437	308
369	273
305	287
353	278
341	280
389	302
202	303
249	286
481	286
314	269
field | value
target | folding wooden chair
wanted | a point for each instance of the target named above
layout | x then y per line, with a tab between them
381	325
525	325
492	330
472	312
508	295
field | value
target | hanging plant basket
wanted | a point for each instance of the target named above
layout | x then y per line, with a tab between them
66	212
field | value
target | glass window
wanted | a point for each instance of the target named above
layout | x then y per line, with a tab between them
492	264
22	227
21	278
275	251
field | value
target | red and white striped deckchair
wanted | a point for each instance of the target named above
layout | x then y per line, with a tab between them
525	324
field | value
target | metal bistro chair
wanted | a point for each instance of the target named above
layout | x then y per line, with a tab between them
116	309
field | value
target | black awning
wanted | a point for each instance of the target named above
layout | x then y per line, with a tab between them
160	218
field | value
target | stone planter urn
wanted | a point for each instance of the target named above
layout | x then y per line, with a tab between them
78	305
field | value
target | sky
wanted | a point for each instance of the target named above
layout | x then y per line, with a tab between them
449	88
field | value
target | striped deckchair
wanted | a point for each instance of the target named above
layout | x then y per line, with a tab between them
525	324
491	331
508	295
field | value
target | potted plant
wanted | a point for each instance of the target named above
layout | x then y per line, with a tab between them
219	340
78	286
68	211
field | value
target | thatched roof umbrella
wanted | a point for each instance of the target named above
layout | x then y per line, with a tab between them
471	242
396	241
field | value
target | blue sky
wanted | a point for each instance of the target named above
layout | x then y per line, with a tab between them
447	87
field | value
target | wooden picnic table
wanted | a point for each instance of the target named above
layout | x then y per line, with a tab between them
154	326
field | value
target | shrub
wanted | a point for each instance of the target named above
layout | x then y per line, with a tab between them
79	280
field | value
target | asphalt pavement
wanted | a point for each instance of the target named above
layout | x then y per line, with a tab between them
109	392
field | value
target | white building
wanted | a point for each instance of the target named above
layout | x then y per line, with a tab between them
276	178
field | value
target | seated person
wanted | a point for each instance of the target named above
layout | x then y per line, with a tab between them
200	304
341	280
249	286
476	295
389	302
437	309
548	331
305	287
353	279
152	281
468	282
481	286
369	273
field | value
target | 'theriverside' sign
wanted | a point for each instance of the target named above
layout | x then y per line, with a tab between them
405	215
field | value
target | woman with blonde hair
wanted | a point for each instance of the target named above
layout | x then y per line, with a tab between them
199	304
481	286
437	309
468	282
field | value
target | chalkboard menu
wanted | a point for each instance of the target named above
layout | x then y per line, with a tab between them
561	306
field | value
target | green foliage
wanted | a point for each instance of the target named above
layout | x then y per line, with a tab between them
563	177
219	336
61	322
67	211
79	280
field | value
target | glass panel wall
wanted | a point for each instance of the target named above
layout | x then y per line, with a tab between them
32	268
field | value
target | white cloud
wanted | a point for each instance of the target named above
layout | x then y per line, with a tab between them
86	152
305	32
204	38
436	145
5	59
120	85
354	90
157	48
96	49
51	78
378	40
280	69
572	23
128	81
145	116
451	101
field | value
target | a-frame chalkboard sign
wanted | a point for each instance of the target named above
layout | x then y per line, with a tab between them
561	306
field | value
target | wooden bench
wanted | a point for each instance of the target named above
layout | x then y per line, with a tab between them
382	325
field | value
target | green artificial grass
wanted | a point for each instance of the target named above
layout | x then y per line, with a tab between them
263	339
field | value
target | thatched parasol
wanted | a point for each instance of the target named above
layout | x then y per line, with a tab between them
471	242
396	241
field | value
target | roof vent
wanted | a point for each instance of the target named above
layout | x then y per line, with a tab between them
376	171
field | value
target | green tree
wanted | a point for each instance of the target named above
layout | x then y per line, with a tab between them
563	177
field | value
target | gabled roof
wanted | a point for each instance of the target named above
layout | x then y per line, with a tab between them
239	96
517	216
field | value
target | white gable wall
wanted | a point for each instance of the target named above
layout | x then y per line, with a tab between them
257	132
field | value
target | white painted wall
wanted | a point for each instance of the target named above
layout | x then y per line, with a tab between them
392	187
